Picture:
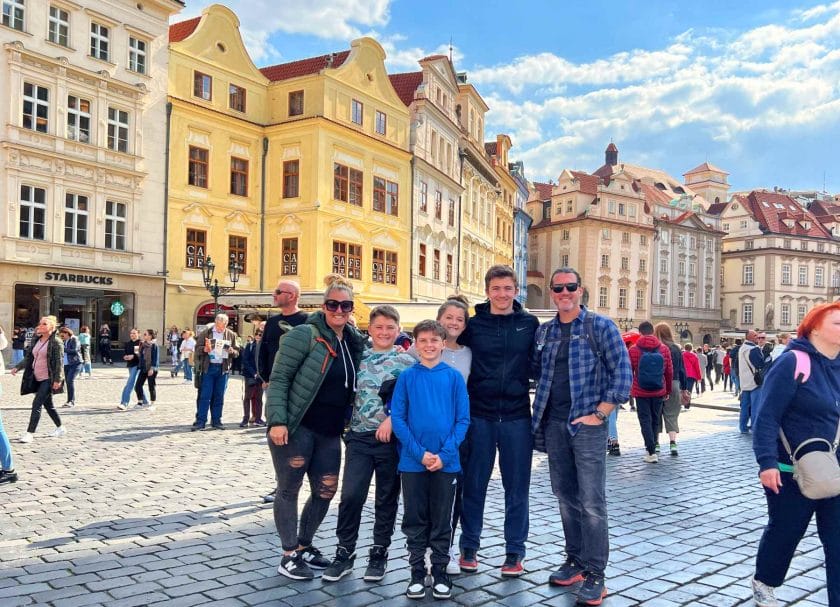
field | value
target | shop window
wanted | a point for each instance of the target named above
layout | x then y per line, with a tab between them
238	176
347	259
291	179
196	248
99	41
238	252
115	214
199	165
33	212
290	257
384	266
75	219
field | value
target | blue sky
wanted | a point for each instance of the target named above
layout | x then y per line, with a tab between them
752	87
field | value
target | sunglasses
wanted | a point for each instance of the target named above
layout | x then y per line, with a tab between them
571	287
332	305
279	292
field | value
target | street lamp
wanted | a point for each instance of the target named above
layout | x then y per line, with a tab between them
212	284
681	327
625	323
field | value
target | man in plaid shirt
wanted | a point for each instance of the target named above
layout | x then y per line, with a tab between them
583	372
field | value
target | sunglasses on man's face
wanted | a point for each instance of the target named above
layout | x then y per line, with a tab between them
571	287
333	305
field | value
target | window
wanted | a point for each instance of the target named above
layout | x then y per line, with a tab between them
692	242
605	262
347	259
115	225
803	276
385	196
570	206
785	315
748	244
136	55
786	243
198	167
384	266
691	299
819	276
625	263
803	245
663	266
117	130
643	265
801	309
296	103
622	209
347	185
743	224
196	248
75	219
546	209
565	235
747	314
820	247
436	264
692	269
202	86
238	252
681	299
236	98
640	299
13	14
238	176
605	233
357	109
421	263
747	275
786	275
59	26
449	268
99	41
78	119
663	296
33	212
625	238
681	268
451	212
631	210
564	260
438	205
603	297
381	122
36	107
709	300
291	179
622	298
290	257
424	197
611	207
725	227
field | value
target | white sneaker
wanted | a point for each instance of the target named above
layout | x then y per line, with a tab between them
26	437
652	458
150	407
187	381
122	406
452	567
58	432
763	594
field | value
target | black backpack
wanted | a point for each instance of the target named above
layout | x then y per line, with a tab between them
651	371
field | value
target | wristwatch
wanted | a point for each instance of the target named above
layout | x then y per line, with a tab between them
600	415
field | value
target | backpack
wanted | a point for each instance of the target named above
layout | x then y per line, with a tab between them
588	335
651	371
760	374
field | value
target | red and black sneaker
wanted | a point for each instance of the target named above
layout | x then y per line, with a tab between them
569	573
468	561
513	565
593	590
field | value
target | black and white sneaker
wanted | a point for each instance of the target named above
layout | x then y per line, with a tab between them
377	563
342	565
293	567
314	557
441	584
417	586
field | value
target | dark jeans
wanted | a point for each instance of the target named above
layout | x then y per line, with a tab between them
252	403
43	398
105	353
718	372
319	458
427	515
790	512
727	382
689	384
649	411
70	374
514	441
364	456
578	469
144	377
749	405
709	378
211	395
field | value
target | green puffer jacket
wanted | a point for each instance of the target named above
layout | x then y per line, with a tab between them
299	368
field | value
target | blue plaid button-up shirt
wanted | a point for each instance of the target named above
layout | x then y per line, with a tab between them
591	380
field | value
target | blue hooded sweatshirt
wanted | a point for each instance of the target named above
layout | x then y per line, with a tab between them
807	410
430	411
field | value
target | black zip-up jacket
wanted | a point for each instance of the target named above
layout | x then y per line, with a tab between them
501	348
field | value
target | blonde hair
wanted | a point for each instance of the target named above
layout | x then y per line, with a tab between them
337	282
51	320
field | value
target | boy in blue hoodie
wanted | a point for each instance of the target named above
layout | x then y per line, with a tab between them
430	414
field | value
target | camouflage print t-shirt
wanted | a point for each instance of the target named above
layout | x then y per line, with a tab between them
376	367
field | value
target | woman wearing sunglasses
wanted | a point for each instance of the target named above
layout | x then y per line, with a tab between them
310	392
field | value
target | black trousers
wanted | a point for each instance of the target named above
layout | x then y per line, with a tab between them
43	399
427	515
649	411
143	377
365	456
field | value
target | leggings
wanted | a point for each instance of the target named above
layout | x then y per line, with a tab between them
319	458
142	378
43	398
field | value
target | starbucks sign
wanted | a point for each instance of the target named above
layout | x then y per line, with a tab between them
117	308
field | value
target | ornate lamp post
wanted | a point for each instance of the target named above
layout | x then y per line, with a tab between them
681	327
212	284
625	324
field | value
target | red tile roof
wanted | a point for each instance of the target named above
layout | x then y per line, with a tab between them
771	209
182	30
406	84
716	208
653	195
588	183
824	208
611	147
543	190
705	167
303	67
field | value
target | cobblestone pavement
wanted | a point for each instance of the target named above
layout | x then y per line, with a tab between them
130	508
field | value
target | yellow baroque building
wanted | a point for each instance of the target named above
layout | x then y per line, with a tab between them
292	171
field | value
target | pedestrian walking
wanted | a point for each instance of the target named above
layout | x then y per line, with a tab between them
18	344
312	383
43	376
613	447
131	356
72	363
147	371
702	361
750	360
84	341
719	353
583	371
734	374
679	393
710	365
7	461
215	348
727	371
500	407
252	402
693	372
653	375
173	344
187	348
798	402
369	449
105	344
